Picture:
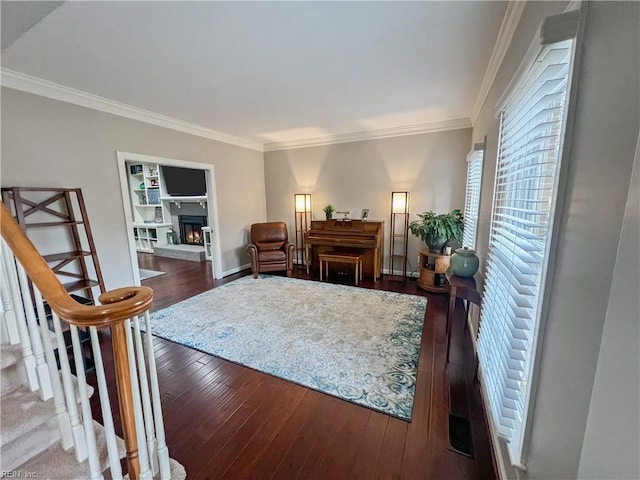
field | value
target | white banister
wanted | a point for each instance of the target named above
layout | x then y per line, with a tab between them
152	446
72	406
8	313
87	419
66	436
143	454
105	405
163	451
42	369
9	269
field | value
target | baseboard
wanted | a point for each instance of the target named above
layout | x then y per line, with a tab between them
236	270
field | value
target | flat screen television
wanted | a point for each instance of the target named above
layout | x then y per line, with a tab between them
184	182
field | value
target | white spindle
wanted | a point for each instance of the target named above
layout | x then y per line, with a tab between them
9	266
64	423
87	419
105	405
152	446
145	471
163	451
42	369
8	312
76	427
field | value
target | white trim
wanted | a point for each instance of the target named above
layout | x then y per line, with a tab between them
430	127
45	88
505	35
235	270
123	157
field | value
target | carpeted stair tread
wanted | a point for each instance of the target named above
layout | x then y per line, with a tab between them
23	411
10	355
30	444
55	463
12	375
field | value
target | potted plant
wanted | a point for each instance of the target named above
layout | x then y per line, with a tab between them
437	230
328	211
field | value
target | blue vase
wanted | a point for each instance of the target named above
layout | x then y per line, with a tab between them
464	262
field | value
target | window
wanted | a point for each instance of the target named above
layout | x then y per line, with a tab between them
472	197
532	125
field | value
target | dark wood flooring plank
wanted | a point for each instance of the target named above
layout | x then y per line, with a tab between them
364	464
317	432
253	450
392	451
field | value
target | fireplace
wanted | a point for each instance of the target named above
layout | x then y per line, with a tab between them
191	229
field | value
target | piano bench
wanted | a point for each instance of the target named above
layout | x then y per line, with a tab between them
349	258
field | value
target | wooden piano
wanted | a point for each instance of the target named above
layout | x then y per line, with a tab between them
353	236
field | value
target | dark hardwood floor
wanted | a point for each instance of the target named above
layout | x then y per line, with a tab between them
225	421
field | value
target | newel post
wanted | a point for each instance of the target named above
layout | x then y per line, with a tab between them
125	397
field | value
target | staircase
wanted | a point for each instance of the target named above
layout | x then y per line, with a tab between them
47	430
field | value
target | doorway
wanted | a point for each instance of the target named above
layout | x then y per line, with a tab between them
152	208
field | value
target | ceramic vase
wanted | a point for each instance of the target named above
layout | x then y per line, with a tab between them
464	262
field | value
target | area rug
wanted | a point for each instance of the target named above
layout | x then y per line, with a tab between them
146	274
357	344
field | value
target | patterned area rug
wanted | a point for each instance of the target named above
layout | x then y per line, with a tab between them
356	344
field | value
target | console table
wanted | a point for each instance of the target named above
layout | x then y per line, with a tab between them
466	289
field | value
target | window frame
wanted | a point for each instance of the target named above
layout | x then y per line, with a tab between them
563	27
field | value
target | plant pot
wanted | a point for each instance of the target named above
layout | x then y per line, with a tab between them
464	262
328	216
436	244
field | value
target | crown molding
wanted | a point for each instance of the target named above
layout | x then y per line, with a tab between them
505	35
439	126
55	91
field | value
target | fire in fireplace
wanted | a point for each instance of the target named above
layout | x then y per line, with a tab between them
191	229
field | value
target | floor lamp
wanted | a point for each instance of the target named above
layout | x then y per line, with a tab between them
302	208
399	235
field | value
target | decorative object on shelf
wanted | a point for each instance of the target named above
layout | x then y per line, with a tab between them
328	211
345	216
135	169
153	196
142	186
447	250
172	238
399	236
365	214
157	217
464	262
302	209
153	170
437	230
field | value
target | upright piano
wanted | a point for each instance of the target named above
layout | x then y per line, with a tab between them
345	235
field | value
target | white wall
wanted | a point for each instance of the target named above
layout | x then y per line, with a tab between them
612	438
357	175
600	163
48	143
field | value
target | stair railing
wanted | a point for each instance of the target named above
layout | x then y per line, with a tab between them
28	288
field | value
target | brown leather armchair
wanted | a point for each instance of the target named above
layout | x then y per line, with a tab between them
270	249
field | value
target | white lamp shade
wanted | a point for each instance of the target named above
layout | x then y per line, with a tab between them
399	202
302	202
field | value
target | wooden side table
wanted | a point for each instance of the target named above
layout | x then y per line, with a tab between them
429	270
460	287
349	258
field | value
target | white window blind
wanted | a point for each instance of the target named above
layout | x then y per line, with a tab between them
532	125
472	197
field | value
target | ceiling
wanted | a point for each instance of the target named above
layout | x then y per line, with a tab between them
264	71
